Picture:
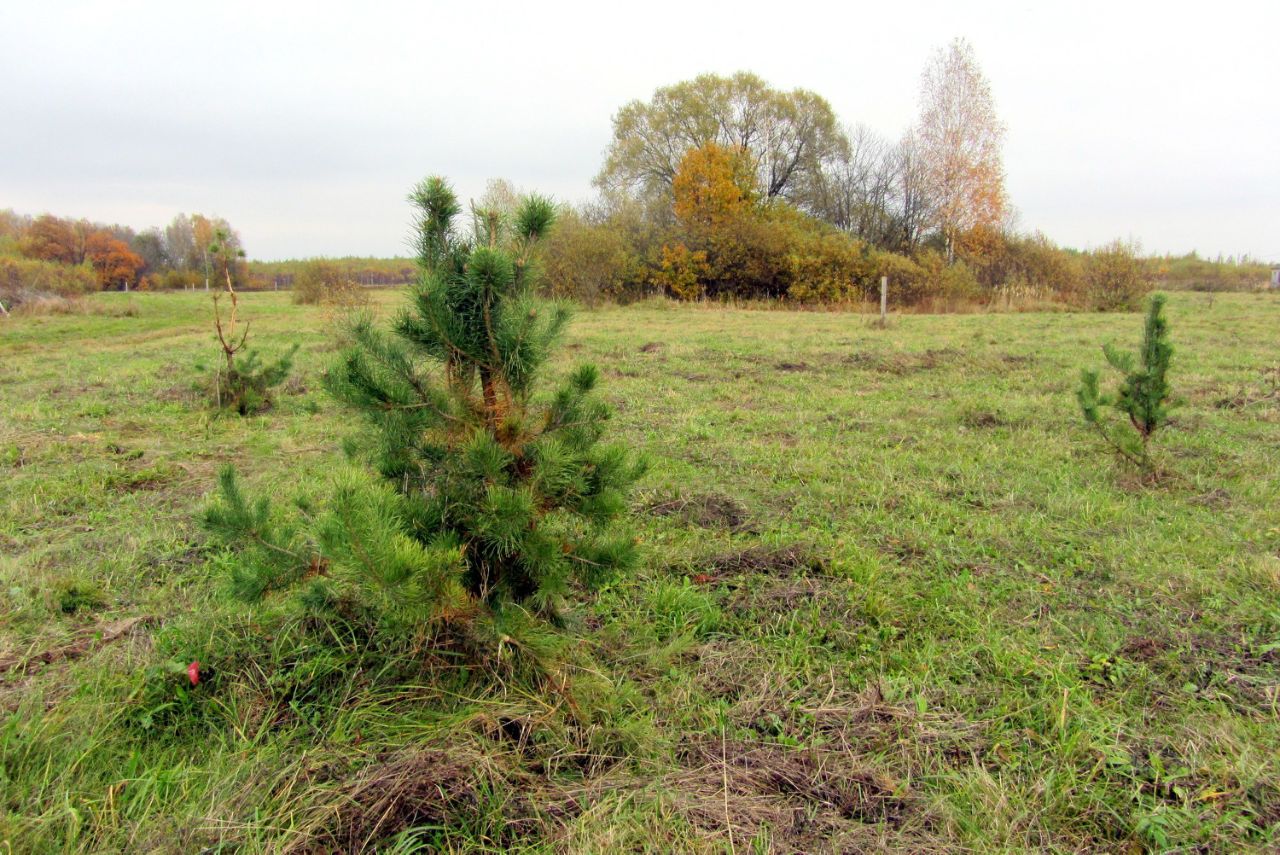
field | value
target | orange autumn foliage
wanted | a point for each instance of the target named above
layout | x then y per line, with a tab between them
116	265
716	209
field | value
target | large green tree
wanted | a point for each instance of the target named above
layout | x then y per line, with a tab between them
787	135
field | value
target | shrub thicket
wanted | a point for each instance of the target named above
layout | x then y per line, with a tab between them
1115	279
179	280
589	261
1193	273
716	237
324	281
25	279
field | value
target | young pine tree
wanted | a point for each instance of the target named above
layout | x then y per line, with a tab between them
1143	395
490	505
244	384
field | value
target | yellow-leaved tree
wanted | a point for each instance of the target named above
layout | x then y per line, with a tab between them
718	216
959	139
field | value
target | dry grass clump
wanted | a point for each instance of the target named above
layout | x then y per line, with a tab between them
410	789
45	305
803	799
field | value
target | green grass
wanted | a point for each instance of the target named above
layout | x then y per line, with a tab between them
895	597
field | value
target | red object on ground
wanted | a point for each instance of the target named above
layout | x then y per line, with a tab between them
193	673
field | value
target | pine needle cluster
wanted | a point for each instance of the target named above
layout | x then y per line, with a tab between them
491	504
1143	395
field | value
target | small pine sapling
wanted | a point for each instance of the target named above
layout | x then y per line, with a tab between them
1143	395
491	506
243	386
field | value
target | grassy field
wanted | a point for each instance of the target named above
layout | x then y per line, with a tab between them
895	598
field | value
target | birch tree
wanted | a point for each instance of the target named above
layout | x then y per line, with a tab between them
959	139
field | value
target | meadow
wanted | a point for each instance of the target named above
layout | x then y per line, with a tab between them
895	597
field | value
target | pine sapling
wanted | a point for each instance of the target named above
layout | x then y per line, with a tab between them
244	386
1142	396
490	506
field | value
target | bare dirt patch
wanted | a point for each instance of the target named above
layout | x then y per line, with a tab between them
1217	499
905	363
1144	648
855	721
705	510
1225	665
179	393
772	561
780	596
905	550
1249	673
1017	359
983	420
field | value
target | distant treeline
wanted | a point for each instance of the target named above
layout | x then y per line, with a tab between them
54	256
364	271
1192	273
61	256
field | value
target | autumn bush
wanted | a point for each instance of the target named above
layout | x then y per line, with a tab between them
942	285
179	280
26	279
1115	279
322	281
829	267
589	261
1036	265
1030	265
720	243
906	279
1192	273
727	241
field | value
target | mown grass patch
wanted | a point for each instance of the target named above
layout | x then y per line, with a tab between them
894	598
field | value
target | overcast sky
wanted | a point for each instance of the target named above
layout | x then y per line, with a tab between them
305	124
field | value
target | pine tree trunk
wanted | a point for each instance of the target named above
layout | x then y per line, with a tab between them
492	407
